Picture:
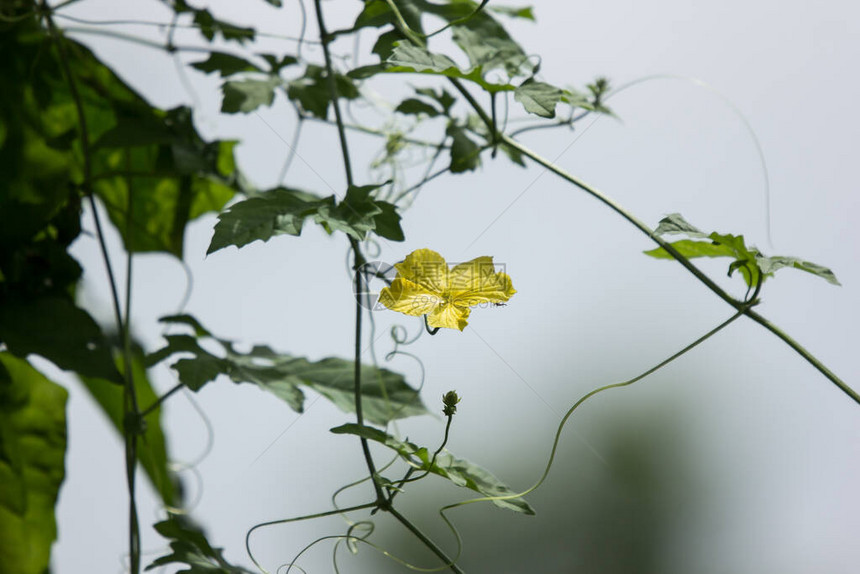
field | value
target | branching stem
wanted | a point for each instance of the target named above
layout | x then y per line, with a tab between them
130	396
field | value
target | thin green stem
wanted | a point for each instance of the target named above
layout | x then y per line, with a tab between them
359	258
427	542
332	86
130	396
408	477
378	133
296	519
145	412
359	412
686	263
584	398
830	375
805	354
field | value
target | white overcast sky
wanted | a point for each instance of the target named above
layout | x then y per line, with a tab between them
771	446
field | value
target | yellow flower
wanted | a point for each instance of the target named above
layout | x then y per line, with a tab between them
425	285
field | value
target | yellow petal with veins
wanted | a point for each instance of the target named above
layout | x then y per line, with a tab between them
477	281
409	298
426	268
449	316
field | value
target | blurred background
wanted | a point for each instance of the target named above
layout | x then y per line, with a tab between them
739	457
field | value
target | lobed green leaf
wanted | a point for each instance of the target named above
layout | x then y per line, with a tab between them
385	395
752	264
189	547
459	471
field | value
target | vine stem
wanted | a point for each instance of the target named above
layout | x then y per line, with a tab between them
130	406
594	192
382	502
423	538
359	258
644	228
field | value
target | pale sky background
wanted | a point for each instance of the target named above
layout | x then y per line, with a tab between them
756	455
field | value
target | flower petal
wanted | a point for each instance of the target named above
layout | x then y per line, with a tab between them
426	268
477	281
410	298
449	316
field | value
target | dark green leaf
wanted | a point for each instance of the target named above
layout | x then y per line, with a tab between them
459	471
538	98
56	329
385	394
152	446
276	212
416	107
175	178
276	64
388	222
211	26
275	3
247	95
199	330
32	465
513	154
189	547
312	92
465	153
225	64
442	96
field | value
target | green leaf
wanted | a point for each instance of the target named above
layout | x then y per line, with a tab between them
189	547
245	96
177	177
675	223
388	222
459	471
211	26
525	12
311	92
488	47
152	446
56	329
277	212
416	107
225	64
769	265
465	153
442	96
359	213
408	59
748	260
276	64
538	98
282	211
32	465
385	395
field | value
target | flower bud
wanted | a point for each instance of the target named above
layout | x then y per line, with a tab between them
450	400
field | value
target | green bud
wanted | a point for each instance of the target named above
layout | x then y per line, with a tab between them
450	400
